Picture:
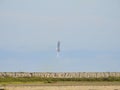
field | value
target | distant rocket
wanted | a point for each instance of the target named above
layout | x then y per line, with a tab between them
58	48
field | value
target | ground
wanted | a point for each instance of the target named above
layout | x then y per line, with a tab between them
63	85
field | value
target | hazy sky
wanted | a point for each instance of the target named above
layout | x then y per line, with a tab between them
89	31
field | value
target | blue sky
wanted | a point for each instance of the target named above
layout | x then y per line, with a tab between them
89	31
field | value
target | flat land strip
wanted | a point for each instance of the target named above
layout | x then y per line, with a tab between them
61	88
38	83
62	85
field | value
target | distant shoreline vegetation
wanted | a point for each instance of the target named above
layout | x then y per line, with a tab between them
49	77
50	80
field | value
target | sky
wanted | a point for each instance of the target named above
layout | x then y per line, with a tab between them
89	32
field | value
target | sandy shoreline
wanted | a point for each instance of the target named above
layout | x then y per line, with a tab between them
62	87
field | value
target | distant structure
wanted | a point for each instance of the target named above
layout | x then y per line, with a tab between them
58	48
61	74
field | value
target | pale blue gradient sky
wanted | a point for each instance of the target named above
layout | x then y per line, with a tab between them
89	31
